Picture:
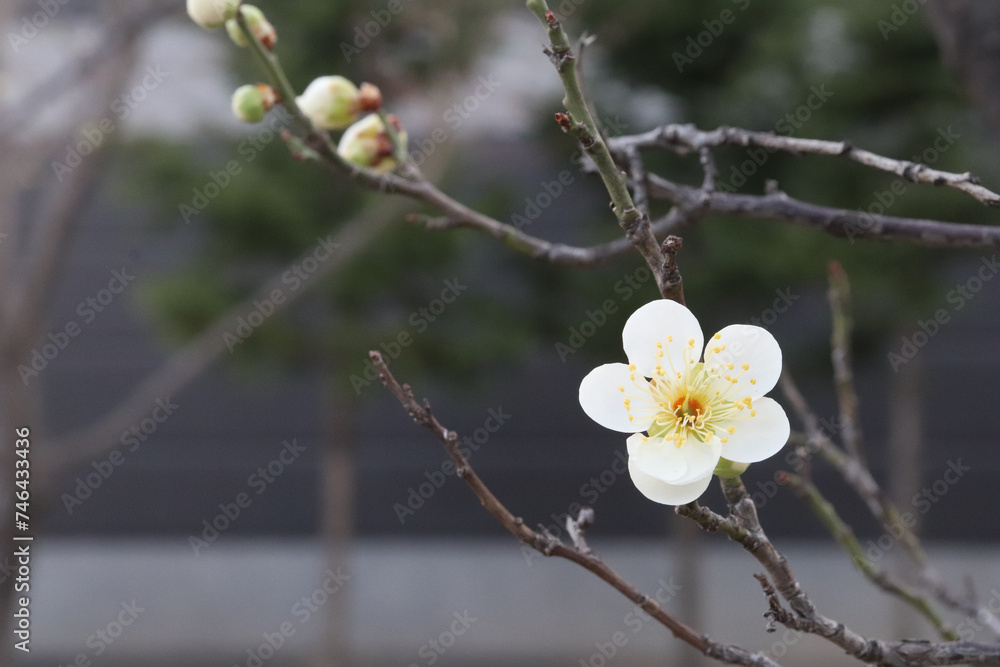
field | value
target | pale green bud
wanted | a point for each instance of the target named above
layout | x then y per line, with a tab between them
330	102
211	14
251	103
727	468
367	143
259	26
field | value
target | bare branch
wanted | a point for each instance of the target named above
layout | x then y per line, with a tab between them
709	167
807	491
836	221
77	72
859	477
192	359
548	544
637	177
579	122
744	527
53	227
683	138
840	352
576	528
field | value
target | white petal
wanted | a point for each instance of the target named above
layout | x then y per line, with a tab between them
661	458
604	402
750	345
759	437
664	492
652	324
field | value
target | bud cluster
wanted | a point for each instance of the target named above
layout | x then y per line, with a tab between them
329	102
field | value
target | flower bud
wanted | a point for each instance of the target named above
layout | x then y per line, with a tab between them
367	143
211	14
333	102
259	26
250	103
370	97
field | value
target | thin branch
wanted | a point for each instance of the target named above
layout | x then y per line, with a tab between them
581	124
806	490
682	138
548	544
859	478
710	169
317	145
839	222
744	527
672	274
191	360
577	528
637	177
840	352
77	72
54	225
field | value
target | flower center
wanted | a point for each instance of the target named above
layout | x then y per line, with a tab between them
693	401
686	406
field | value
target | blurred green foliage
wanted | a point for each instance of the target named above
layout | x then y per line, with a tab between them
743	63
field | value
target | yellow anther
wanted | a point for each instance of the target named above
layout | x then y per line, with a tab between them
745	367
631	367
753	413
753	381
659	345
730	366
621	389
731	429
717	336
670	339
724	439
746	400
716	349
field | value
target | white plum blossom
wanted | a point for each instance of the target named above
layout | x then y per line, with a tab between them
696	414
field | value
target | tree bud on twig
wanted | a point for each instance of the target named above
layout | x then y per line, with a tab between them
250	103
370	97
259	26
367	143
211	14
333	102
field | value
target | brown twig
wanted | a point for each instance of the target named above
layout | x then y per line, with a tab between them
548	544
840	352
839	222
859	477
577	528
806	490
744	527
682	138
710	169
558	254
580	123
637	178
